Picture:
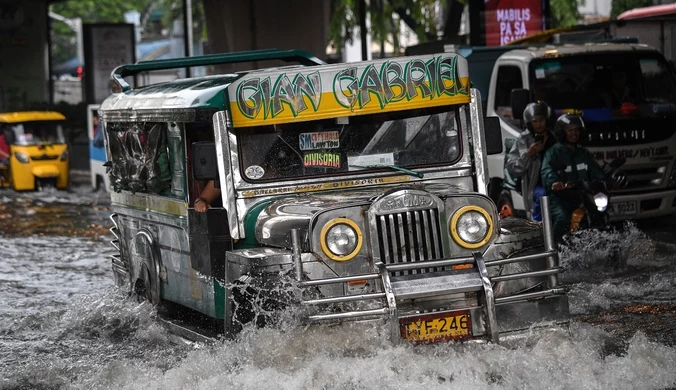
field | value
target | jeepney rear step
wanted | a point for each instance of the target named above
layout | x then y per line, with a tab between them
439	285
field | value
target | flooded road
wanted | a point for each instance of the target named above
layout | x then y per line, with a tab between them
65	326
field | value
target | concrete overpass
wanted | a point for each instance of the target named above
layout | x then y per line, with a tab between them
233	25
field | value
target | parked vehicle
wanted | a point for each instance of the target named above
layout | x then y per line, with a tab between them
581	78
350	192
38	151
97	152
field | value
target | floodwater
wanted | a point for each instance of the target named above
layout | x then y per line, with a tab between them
65	326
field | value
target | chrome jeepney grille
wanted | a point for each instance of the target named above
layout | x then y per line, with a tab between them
405	228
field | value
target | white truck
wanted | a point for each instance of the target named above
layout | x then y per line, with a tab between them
581	78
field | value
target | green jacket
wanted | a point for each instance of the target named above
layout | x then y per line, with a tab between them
564	164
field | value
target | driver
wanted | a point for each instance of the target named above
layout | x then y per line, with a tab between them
525	157
565	162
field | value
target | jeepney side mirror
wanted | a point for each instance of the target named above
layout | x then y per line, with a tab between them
520	98
493	135
204	162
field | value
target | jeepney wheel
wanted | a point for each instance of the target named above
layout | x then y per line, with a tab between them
505	205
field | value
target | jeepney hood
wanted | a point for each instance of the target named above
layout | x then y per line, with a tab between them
274	223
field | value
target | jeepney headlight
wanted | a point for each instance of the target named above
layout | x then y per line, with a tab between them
64	155
22	157
471	227
341	239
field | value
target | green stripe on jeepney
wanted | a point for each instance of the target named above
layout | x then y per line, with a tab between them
150	203
250	225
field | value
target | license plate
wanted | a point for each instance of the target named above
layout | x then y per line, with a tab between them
622	208
432	328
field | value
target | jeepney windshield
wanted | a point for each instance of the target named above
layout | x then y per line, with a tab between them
37	133
410	139
607	85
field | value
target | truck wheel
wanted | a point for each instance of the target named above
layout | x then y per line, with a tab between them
505	205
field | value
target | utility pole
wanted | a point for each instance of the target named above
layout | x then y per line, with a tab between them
74	24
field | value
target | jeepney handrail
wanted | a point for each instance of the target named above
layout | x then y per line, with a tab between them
300	56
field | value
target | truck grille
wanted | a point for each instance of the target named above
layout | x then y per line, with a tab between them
409	236
644	177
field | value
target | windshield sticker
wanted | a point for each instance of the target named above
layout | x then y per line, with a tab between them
325	186
254	172
321	160
319	140
369	160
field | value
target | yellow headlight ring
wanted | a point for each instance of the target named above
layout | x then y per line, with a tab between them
454	223
325	230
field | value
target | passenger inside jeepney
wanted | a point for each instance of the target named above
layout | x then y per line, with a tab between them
209	192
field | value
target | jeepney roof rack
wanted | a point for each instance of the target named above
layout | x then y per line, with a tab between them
299	56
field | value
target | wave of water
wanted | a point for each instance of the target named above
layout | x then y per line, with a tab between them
65	326
108	342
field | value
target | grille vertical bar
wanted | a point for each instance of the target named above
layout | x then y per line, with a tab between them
410	236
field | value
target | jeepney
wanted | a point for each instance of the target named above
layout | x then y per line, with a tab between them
350	192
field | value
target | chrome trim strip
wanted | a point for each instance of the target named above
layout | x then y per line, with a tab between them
550	246
391	302
510	260
529	296
350	314
547	272
149	115
428	264
347	298
489	305
479	142
225	175
320	282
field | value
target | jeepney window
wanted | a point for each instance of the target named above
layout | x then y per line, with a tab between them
140	158
38	133
425	137
509	78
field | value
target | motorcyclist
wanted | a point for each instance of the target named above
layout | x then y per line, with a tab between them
525	157
566	162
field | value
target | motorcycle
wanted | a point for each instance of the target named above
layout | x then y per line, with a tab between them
592	211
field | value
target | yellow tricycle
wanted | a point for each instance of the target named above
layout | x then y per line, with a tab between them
37	149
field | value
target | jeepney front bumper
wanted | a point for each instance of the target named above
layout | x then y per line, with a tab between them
462	298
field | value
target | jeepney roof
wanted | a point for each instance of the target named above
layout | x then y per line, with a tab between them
553	51
30	116
301	93
196	93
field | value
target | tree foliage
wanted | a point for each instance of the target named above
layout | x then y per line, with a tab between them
564	13
428	19
619	6
384	17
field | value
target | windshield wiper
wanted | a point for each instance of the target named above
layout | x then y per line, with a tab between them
395	167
